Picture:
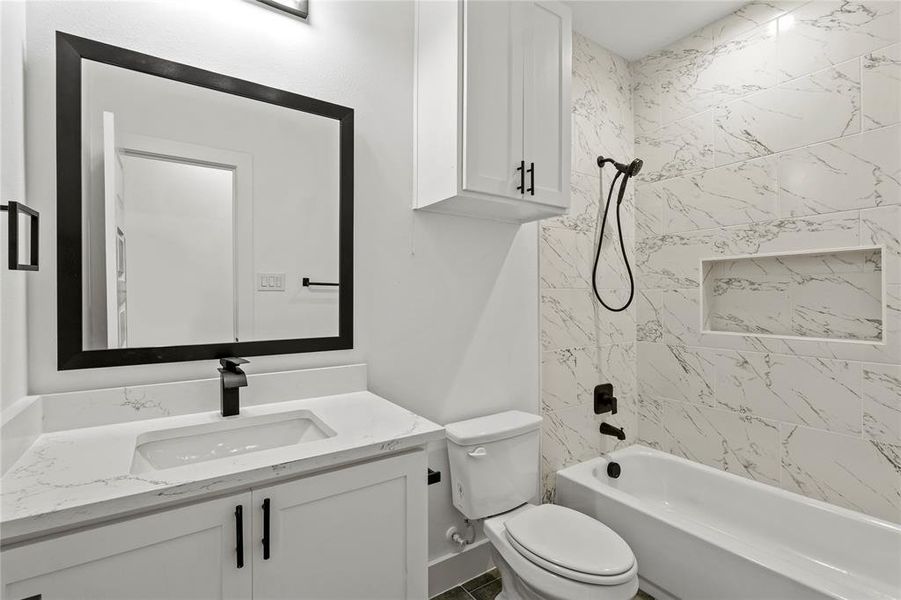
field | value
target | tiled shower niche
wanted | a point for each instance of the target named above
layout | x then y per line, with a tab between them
823	294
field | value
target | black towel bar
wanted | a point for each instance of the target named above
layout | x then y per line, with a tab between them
307	283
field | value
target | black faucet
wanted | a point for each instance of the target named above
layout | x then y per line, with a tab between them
608	429
231	378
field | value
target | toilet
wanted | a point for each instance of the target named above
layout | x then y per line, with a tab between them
543	552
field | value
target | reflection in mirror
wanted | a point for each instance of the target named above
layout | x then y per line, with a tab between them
203	212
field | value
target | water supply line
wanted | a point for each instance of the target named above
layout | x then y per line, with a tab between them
454	536
626	172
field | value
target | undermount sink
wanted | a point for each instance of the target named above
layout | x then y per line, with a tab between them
168	448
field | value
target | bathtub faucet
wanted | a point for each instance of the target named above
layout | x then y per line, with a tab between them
608	429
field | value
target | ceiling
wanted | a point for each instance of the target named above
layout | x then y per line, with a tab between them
635	28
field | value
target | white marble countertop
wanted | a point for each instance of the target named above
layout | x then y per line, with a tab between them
82	476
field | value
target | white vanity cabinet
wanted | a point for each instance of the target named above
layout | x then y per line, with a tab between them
492	108
352	533
185	552
357	533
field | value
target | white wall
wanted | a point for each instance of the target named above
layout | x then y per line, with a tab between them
446	308
13	342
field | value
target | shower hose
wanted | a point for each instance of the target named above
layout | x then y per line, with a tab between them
622	244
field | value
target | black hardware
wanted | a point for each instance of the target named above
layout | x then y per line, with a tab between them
71	51
522	176
608	429
631	169
307	283
604	401
613	469
239	534
265	539
434	477
231	378
531	171
14	208
626	171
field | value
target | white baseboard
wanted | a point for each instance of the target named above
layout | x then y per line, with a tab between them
453	569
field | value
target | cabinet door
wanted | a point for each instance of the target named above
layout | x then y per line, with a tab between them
352	534
548	74
185	553
492	96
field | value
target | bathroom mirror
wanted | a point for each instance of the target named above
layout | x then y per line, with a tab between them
198	215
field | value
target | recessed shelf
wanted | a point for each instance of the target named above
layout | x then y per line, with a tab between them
833	295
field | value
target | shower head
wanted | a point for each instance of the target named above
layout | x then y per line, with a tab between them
635	167
631	169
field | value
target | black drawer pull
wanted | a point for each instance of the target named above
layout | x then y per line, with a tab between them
265	539
522	176
531	171
239	534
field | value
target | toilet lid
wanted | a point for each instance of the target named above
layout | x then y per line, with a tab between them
568	539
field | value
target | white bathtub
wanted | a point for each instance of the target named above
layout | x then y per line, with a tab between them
698	532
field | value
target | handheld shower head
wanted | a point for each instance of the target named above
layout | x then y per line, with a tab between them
627	171
635	167
631	169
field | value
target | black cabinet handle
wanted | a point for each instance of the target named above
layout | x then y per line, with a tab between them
531	172
239	534
265	539
522	176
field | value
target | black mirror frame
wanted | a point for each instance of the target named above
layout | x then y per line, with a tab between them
70	50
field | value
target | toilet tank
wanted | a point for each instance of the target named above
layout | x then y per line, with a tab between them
493	462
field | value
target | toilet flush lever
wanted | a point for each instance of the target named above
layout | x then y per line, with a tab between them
478	452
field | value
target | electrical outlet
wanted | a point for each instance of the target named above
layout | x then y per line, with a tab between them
270	282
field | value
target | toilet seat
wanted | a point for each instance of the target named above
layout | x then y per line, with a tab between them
526	579
570	544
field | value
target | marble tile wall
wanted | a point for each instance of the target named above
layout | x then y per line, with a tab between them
582	343
836	295
776	129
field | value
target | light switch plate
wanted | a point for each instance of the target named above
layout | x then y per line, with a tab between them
270	282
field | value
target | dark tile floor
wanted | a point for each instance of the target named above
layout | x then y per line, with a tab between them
484	587
487	586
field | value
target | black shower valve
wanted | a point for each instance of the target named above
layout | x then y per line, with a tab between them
604	400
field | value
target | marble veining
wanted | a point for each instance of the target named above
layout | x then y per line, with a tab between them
882	227
676	373
805	391
678	148
859	171
568	377
584	344
827	32
835	296
806	156
73	477
848	471
881	86
736	443
881	391
730	195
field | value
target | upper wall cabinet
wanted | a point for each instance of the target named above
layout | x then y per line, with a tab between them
493	108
